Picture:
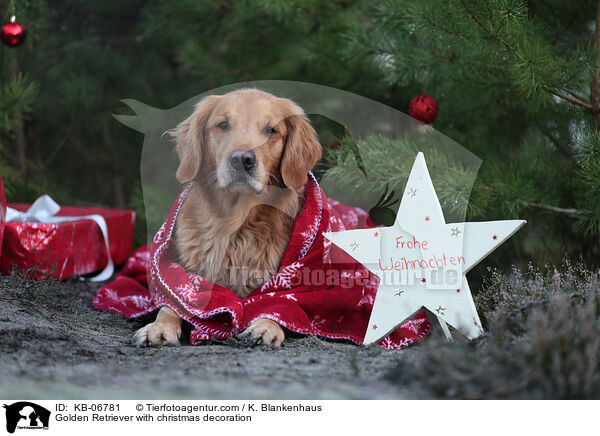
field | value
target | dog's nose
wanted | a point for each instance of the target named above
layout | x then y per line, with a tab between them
242	159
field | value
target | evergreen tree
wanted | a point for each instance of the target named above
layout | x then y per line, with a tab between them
17	94
518	84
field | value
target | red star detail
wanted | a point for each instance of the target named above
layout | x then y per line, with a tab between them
376	234
458	290
374	326
494	237
427	218
423	280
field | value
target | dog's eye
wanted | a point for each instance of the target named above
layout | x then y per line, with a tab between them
223	125
270	131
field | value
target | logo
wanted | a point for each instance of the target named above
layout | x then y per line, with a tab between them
26	415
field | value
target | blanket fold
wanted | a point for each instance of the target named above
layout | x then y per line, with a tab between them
318	289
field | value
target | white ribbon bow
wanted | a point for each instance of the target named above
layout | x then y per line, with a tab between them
44	209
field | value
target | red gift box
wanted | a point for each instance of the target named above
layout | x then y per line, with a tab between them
2	211
70	248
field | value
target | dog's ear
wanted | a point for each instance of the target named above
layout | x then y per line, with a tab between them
189	135
301	153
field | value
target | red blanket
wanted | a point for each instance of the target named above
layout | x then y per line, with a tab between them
318	290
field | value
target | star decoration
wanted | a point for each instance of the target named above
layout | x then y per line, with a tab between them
428	259
427	219
376	234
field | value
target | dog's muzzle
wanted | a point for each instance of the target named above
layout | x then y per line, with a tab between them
242	161
241	172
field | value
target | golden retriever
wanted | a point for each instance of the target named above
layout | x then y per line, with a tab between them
248	154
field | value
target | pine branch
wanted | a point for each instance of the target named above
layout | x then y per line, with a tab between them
12	104
490	10
574	93
564	149
571	212
485	28
445	29
570	98
470	12
595	85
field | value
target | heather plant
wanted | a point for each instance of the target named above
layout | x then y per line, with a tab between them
542	342
515	290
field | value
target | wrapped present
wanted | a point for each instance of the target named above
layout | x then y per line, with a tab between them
2	210
50	241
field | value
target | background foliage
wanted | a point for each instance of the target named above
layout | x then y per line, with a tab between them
516	82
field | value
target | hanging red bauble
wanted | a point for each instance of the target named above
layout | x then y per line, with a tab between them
423	108
13	33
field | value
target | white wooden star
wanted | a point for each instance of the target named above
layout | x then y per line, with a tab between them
421	261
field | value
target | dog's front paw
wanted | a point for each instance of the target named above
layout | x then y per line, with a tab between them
158	333
265	331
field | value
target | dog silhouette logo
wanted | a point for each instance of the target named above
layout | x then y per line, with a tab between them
26	415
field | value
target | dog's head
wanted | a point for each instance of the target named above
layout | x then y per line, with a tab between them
246	140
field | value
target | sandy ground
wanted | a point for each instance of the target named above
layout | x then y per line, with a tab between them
54	344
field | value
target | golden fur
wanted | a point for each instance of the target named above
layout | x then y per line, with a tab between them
233	230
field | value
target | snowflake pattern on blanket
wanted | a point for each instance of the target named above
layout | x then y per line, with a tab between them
318	289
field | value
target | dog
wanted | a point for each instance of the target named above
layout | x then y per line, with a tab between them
248	154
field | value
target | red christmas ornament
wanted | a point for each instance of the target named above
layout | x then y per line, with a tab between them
423	108
12	34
